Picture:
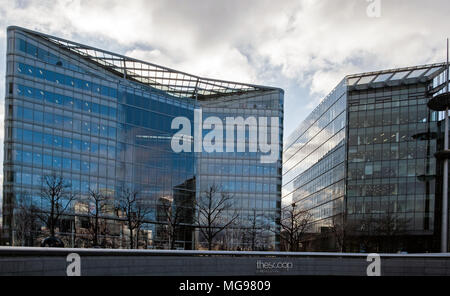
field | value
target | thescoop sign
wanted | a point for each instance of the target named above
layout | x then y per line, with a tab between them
260	130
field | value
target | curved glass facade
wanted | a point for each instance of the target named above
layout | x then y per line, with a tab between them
78	116
313	161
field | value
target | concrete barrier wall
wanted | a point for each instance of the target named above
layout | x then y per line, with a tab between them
46	261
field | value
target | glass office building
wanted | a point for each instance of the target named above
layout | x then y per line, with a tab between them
102	121
363	163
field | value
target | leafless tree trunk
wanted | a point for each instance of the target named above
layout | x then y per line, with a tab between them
379	233
213	213
294	224
26	219
388	228
134	209
364	232
339	230
174	216
99	201
256	228
56	193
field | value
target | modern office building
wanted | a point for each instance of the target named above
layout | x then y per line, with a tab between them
102	121
363	165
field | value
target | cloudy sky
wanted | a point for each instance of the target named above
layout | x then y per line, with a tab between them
305	47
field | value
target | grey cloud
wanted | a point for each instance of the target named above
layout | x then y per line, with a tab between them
309	43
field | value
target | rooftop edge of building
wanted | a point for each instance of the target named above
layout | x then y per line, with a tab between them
406	75
198	86
371	80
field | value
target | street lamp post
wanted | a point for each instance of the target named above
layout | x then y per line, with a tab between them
444	235
441	102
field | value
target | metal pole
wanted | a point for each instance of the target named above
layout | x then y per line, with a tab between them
73	233
444	241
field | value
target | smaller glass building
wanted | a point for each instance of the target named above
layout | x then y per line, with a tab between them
363	163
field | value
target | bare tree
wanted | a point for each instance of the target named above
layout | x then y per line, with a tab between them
26	219
56	194
339	230
294	224
378	233
175	216
134	209
389	227
99	201
256	230
214	213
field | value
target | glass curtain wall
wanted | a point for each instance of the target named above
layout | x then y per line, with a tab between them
387	161
254	186
98	132
102	122
313	162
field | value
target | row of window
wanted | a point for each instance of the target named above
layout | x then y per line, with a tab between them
324	165
321	197
327	210
65	143
66	101
149	101
387	151
388	103
237	185
234	155
76	185
59	121
55	162
313	139
329	101
163	183
239	169
400	204
123	152
395	116
301	162
325	120
147	119
66	80
148	176
149	172
406	221
391	169
45	55
394	92
321	182
269	102
378	135
400	187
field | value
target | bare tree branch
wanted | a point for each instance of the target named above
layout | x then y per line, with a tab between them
294	224
213	209
55	192
134	209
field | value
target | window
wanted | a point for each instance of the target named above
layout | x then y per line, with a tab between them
27	136
27	114
76	145
48	140
76	165
67	163
38	116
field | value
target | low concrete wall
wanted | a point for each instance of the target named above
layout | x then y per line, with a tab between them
47	261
